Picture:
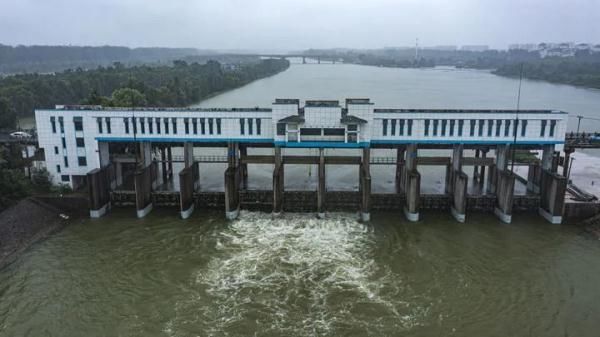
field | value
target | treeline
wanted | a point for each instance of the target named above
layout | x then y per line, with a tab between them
181	84
21	59
406	57
557	70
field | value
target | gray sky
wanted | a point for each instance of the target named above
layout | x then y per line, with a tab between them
294	25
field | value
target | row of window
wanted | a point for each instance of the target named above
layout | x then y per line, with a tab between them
101	125
159	125
400	123
479	128
249	122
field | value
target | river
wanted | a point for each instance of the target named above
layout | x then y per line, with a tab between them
300	276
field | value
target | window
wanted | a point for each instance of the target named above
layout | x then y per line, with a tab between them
99	121
523	128
186	125
61	123
310	131
174	120
126	124
166	122
435	127
334	132
352	127
108	125
78	122
385	123
57	168
195	125
218	126
53	123
242	126
401	127
80	142
490	127
472	128
82	161
134	125
552	127
515	128
480	130
410	124
281	129
64	143
498	127
452	123
56	150
507	128
210	126
66	160
543	129
393	121
250	126
157	119
444	123
142	125
202	126
461	123
150	125
258	130
64	178
427	127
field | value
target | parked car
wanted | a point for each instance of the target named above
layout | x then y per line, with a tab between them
20	134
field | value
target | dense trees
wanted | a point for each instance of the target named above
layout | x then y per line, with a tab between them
572	71
57	58
181	84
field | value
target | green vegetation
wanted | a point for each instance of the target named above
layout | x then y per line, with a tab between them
180	85
28	59
574	71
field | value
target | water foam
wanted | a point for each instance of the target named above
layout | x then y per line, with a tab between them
298	275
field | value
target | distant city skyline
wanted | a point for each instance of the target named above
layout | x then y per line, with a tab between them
294	25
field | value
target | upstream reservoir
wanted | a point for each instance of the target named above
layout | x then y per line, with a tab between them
302	276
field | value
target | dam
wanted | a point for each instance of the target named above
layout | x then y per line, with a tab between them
125	156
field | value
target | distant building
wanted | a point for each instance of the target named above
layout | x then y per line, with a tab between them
442	48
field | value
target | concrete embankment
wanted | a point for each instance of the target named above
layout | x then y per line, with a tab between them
32	220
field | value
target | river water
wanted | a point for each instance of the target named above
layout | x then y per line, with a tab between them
300	276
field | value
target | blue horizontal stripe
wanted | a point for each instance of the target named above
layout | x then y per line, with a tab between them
193	140
322	144
482	142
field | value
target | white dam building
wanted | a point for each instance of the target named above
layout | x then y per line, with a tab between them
120	155
73	137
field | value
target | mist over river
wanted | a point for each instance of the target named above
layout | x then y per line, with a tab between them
301	276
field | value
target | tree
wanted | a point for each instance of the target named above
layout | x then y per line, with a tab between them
13	187
127	97
8	116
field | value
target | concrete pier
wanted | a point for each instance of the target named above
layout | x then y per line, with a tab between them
503	185
232	182
552	196
412	185
365	185
534	176
400	175
322	188
278	182
145	179
243	168
458	185
99	182
187	181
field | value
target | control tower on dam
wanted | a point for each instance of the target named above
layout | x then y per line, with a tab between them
125	155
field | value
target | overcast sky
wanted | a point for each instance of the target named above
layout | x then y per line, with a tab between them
294	25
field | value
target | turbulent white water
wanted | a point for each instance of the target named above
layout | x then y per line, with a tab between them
298	276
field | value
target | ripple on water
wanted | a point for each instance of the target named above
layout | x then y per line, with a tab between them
296	275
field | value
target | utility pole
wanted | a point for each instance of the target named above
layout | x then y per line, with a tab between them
579	123
516	127
417	49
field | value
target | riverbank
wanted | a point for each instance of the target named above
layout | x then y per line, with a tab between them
34	219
